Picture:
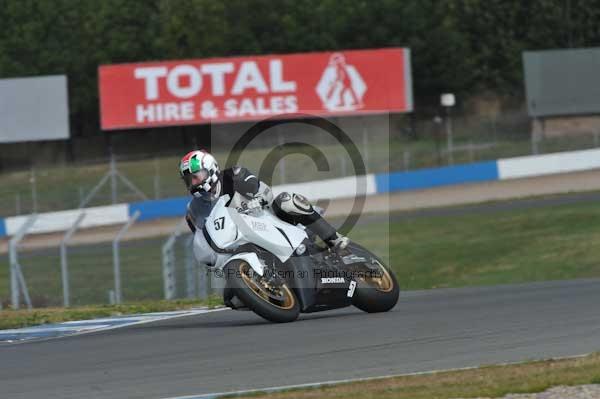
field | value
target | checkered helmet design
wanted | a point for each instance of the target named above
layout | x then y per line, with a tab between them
204	167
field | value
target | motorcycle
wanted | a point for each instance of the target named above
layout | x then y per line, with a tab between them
279	270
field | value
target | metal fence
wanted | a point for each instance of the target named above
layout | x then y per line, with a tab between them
121	270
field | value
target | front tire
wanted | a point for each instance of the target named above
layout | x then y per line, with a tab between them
378	293
274	303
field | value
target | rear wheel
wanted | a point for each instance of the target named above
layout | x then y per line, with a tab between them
376	291
271	299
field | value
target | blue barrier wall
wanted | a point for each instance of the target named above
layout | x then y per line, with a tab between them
2	228
427	178
170	207
398	181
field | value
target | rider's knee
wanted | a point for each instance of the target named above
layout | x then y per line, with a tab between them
293	208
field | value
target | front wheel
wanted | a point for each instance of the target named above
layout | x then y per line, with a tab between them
376	291
272	300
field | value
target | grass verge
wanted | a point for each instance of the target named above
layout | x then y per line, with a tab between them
24	318
489	381
505	247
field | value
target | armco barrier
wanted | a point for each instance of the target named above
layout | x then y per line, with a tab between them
62	220
344	187
427	178
548	164
502	169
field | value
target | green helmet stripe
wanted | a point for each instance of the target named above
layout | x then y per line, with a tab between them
194	165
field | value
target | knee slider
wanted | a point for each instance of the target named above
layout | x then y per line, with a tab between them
294	208
293	204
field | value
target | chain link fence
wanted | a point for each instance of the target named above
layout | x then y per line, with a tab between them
91	276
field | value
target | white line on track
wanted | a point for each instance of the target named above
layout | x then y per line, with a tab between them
75	328
337	382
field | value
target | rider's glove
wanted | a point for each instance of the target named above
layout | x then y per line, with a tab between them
254	203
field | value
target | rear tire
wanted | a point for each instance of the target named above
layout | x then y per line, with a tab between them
278	304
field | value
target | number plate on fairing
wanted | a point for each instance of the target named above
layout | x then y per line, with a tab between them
221	228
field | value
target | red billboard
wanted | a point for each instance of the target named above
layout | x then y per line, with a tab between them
166	93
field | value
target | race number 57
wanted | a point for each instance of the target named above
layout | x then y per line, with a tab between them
219	223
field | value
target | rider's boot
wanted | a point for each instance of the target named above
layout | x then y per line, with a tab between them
339	243
328	233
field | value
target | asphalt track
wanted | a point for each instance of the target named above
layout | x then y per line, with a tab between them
227	350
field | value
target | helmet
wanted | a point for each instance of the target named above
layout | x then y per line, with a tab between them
204	168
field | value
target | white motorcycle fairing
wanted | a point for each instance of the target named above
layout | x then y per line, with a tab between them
228	229
252	260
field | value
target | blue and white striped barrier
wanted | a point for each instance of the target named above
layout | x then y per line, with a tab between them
346	187
435	177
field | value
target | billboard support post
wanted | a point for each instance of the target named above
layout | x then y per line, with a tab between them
535	138
33	191
113	179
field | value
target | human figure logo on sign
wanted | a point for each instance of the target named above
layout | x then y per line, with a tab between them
341	88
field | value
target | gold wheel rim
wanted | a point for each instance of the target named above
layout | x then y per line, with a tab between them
383	283
260	291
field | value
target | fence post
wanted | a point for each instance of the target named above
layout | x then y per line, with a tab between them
190	269
18	203
116	256
64	267
113	174
202	281
406	159
33	191
168	262
16	276
156	179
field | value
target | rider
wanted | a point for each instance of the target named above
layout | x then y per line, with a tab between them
206	182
